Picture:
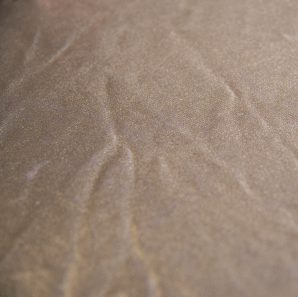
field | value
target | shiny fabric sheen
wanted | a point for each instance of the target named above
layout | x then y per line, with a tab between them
149	148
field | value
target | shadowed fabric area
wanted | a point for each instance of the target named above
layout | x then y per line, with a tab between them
148	148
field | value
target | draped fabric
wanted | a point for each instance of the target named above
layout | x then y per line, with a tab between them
148	148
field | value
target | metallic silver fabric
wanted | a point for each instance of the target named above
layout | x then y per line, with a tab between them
148	148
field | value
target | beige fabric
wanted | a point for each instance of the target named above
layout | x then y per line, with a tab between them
149	148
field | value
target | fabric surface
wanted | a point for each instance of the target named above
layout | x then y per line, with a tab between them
148	148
